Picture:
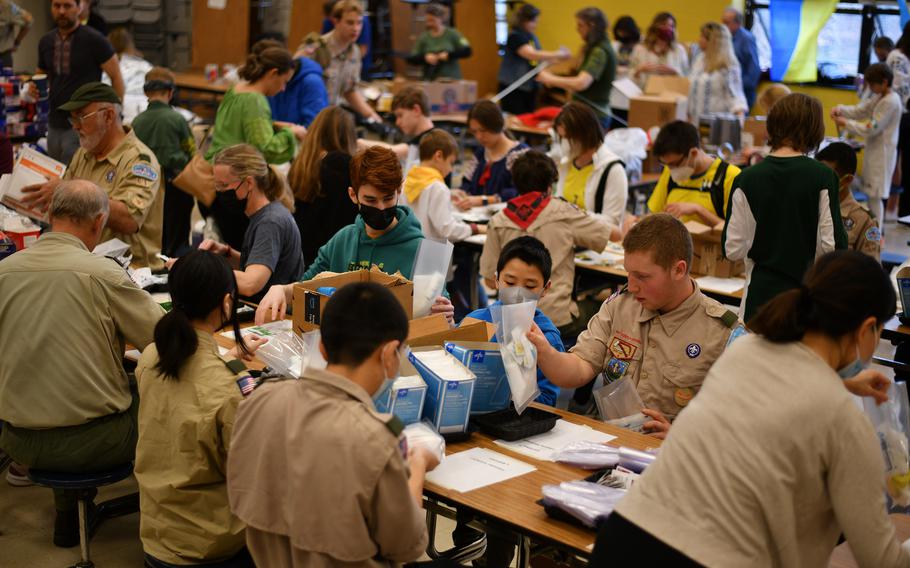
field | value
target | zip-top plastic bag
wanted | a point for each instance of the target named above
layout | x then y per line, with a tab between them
431	266
890	421
588	502
519	356
285	353
620	405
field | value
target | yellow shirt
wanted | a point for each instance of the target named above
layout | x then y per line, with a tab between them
185	428
576	180
696	189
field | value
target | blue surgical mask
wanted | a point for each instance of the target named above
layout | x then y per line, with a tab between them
381	399
854	368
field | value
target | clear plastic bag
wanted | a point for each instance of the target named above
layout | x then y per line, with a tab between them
422	434
285	353
311	340
890	421
588	455
619	404
431	266
519	356
588	502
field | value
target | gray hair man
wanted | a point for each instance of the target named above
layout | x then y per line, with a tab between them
111	156
66	316
746	52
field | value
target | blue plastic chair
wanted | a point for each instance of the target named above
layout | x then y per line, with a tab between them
84	485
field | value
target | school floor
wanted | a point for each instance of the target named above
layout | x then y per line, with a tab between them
26	514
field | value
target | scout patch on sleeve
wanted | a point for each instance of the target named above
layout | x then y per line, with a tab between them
621	349
737	332
145	171
874	234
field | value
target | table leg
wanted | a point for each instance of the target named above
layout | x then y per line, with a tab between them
523	557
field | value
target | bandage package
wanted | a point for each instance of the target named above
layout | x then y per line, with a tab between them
450	387
405	399
484	359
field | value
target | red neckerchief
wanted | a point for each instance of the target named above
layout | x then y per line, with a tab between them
484	176
524	209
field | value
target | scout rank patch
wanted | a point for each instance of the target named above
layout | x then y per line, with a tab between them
849	223
693	350
109	177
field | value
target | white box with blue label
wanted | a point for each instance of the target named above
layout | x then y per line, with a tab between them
450	387
484	359
406	397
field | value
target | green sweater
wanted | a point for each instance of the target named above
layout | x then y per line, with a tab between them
246	118
167	134
351	248
452	42
783	213
600	64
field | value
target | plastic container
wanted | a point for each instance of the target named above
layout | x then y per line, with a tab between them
508	425
619	404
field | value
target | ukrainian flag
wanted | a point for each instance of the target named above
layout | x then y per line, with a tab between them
794	38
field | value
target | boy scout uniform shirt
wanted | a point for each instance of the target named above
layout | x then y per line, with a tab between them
129	174
64	318
318	477
561	227
666	355
863	232
184	433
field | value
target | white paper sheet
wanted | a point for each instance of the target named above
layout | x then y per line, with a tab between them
722	285
545	446
627	87
476	468
606	258
263	330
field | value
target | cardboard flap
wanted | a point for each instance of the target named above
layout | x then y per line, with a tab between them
667	84
697	229
428	331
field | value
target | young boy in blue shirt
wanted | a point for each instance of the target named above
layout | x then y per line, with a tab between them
523	273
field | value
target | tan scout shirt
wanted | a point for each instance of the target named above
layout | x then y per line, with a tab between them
184	432
666	355
769	466
863	232
130	174
318	477
561	227
64	316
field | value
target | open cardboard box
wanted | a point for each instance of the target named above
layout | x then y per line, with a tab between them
665	99
309	303
707	252
434	330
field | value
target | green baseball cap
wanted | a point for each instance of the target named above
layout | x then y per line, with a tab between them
95	92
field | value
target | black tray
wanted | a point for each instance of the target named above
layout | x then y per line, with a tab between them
509	426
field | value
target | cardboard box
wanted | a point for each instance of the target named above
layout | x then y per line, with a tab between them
757	126
647	111
406	397
707	252
484	359
665	99
309	303
446	96
448	401
434	330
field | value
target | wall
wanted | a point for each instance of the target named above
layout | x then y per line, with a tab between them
220	36
829	98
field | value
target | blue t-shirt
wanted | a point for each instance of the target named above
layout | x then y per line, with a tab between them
273	240
548	391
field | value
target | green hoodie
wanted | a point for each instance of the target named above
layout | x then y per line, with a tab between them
351	248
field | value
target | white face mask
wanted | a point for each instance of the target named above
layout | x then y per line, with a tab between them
565	149
682	173
387	382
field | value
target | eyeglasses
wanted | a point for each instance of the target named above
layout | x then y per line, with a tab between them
222	188
77	120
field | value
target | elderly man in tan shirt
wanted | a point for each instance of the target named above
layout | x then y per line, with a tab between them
660	331
317	475
64	319
112	157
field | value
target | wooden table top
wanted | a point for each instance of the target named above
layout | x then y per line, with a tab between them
621	273
843	557
196	81
513	502
512	123
894	329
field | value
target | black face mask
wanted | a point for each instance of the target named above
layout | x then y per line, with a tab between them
377	219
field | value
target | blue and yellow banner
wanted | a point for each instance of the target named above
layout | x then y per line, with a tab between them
794	38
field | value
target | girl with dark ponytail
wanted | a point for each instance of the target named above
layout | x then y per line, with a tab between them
271	252
773	459
188	396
